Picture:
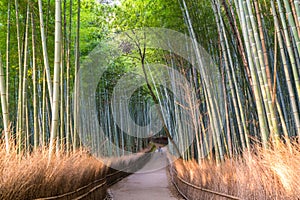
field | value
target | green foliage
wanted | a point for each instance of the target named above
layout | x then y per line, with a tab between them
93	26
149	13
204	24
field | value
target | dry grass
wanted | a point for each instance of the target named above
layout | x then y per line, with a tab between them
31	177
263	174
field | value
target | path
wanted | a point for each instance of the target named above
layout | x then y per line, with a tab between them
150	182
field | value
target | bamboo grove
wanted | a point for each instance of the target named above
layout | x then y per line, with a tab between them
40	93
255	45
258	55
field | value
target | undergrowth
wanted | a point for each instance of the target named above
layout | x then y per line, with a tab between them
261	174
31	175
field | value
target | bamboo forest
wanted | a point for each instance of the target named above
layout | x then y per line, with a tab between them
150	99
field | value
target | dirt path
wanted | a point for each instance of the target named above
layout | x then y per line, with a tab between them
149	183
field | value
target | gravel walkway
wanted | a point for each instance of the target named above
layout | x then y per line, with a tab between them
149	183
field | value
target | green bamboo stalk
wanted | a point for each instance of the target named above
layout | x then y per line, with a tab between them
62	79
264	67
228	132
5	113
295	16
232	83
34	85
292	24
77	55
263	42
297	8
24	82
290	54
239	108
195	118
68	57
57	64
8	53
27	132
19	117
45	52
212	107
256	88
233	25
291	92
44	110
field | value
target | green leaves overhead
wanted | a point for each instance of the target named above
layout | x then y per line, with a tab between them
158	13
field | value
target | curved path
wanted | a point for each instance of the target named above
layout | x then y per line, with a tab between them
149	183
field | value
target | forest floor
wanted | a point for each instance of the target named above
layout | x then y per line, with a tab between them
150	182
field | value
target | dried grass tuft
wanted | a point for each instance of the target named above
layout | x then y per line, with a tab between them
30	176
261	174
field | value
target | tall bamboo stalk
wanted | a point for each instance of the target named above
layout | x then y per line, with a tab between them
24	83
56	86
237	36
291	91
292	24
213	108
77	55
62	82
256	86
5	113
8	53
34	85
262	73
297	8
19	116
44	114
45	52
243	132
290	54
68	58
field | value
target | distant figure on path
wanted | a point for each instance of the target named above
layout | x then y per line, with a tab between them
160	150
